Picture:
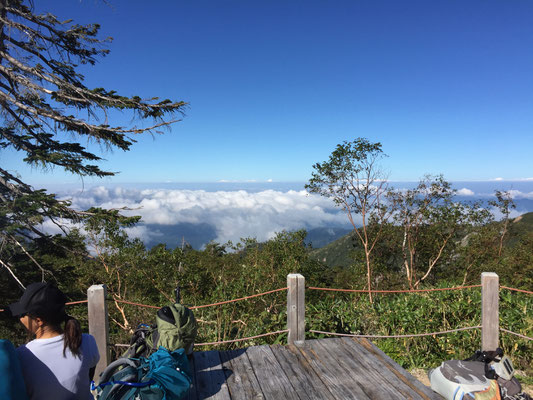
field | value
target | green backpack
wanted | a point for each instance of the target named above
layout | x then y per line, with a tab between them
175	328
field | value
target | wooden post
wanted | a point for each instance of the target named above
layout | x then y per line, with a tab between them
99	324
490	290
296	309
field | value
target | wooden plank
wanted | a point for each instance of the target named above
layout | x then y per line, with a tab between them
303	377
375	369
240	377
371	381
210	378
371	384
320	369
271	377
334	376
397	370
490	287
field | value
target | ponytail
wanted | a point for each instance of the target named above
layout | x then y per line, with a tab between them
72	336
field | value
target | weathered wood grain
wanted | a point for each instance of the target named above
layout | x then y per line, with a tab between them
210	378
337	368
296	308
99	324
373	386
377	374
334	376
490	291
240	376
273	381
401	374
303	377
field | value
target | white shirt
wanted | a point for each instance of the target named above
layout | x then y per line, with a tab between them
50	375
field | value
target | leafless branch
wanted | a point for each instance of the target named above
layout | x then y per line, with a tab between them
6	266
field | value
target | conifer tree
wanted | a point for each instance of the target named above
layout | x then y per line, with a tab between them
47	113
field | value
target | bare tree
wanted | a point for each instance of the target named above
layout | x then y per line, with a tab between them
430	220
505	204
353	179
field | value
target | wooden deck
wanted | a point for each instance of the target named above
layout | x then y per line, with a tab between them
339	368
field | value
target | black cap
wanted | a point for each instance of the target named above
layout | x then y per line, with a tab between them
40	299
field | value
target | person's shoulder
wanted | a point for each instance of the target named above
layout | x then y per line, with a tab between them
22	349
26	348
88	342
89	347
24	353
88	339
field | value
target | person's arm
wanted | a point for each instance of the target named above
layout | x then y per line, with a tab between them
92	349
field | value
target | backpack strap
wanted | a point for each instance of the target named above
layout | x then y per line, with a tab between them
129	379
489	372
155	340
110	369
486	356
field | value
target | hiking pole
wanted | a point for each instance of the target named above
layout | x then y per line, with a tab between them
177	293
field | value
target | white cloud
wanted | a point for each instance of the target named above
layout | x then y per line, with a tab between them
498	215
233	214
517	194
514	179
465	192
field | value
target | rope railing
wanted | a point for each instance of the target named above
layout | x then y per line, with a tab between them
239	299
241	339
205	305
393	291
414	291
396	336
71	303
516	290
309	288
224	341
135	304
410	291
506	330
516	334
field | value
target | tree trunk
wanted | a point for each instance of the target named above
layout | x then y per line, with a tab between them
368	273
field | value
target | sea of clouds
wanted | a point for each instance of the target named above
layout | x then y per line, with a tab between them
218	215
224	212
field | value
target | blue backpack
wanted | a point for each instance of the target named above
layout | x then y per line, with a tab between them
164	375
12	386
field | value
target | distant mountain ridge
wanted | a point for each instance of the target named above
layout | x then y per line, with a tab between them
338	253
320	237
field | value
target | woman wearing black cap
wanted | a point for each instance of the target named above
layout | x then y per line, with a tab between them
59	363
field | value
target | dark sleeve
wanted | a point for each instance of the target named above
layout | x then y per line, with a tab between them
90	350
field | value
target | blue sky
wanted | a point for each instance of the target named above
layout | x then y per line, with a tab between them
273	86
